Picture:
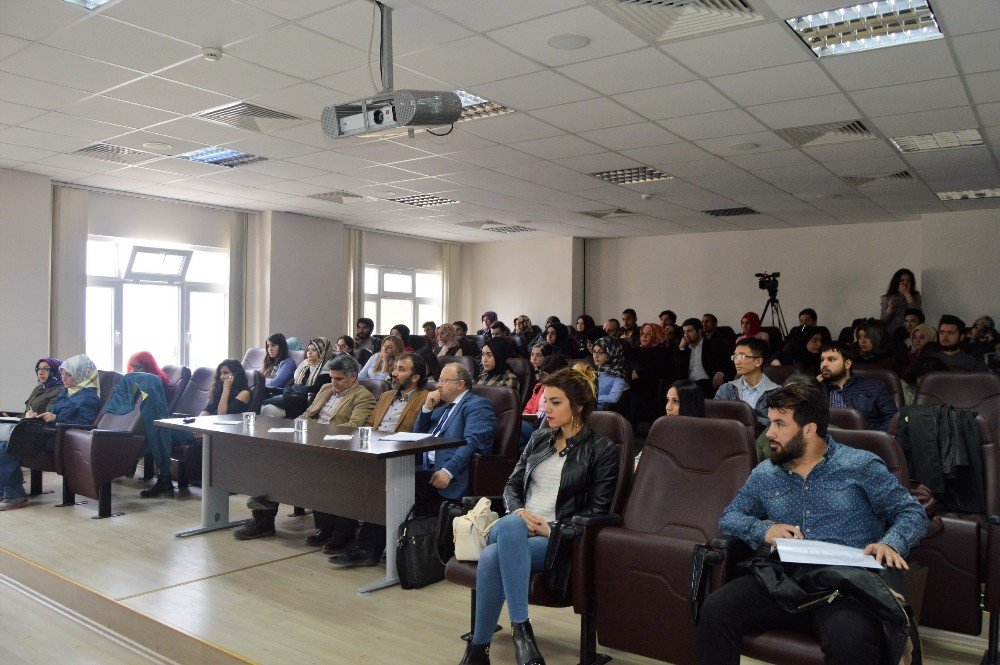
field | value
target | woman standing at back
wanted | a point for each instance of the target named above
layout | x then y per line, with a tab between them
901	295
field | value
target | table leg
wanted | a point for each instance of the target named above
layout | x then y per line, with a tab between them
214	501
399	495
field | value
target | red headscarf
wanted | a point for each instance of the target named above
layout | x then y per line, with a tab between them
754	322
659	335
146	359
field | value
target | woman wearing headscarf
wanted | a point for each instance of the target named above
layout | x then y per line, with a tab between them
557	337
48	388
496	350
528	331
448	342
612	377
923	342
76	404
874	348
751	328
312	373
652	364
578	337
488	318
804	352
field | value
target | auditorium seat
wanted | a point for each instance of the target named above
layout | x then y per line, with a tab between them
842	417
178	377
465	361
375	387
846	335
478	340
254	358
780	373
488	473
976	391
524	372
362	356
887	377
257	389
738	410
298	355
194	398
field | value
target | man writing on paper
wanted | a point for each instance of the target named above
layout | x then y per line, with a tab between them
817	489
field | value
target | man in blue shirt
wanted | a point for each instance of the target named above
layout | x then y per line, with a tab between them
866	396
817	489
751	385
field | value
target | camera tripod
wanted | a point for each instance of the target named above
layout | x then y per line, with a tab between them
777	316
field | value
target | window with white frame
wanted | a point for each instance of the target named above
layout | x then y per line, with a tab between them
401	295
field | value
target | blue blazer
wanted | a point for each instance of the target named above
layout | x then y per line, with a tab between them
473	420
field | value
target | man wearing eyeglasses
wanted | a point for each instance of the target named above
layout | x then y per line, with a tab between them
751	384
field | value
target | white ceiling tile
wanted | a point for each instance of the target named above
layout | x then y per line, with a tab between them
169	96
230	76
30	92
309	134
306	100
244	177
79	163
468	62
294	10
384	152
959	18
104	39
43	140
723	146
588	114
332	181
296	188
56	173
905	63
990	113
531	37
553	175
413	27
510	128
702	167
15	114
493	156
136	139
54	66
350	22
614	74
10	45
776	84
765	160
353	84
909	97
555	147
201	131
799	173
984	87
714	124
459	139
433	166
271	147
674	100
630	136
534	91
953	157
735	51
184	167
925	122
299	52
667	155
145	175
838	152
867	166
800	112
604	161
69	125
488	16
20	153
329	160
35	19
218	22
127	114
286	170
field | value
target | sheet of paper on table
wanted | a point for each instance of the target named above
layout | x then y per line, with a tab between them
793	550
228	422
282	429
406	436
338	437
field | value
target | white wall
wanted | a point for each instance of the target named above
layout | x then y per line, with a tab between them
25	257
308	277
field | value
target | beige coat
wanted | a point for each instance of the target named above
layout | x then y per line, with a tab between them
409	415
354	410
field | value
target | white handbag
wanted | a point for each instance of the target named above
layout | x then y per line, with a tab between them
472	529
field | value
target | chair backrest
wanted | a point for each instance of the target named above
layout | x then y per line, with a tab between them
256	382
618	429
775	338
254	358
779	373
517	343
724	332
107	381
989	444
882	444
846	335
418	342
734	409
178	377
522	370
508	412
478	340
888	378
690	471
845	418
194	399
974	391
362	356
465	361
375	387
126	422
298	355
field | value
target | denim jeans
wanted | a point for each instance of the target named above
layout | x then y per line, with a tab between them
11	476
504	572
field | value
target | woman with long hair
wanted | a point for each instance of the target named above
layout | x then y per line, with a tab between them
804	353
309	376
901	295
684	398
230	391
382	363
278	368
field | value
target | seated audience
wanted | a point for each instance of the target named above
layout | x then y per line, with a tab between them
807	319
363	335
536	356
557	336
528	331
674	335
667	316
448	341
345	344
578	337
709	322
536	403
396	411
751	385
629	333
923	342
566	470
430	332
684	398
278	368
901	295
951	356
380	365
77	403
866	396
230	391
750	324
912	318
488	319
48	388
402	331
704	361
612	376
500	330
874	348
143	361
652	366
803	353
982	336
343	402
494	362
309	376
612	327
853	500
461	328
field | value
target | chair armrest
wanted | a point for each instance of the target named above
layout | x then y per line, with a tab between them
726	543
112	432
993	519
66	426
607	519
471	501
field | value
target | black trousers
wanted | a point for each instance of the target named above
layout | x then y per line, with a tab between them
848	633
371	537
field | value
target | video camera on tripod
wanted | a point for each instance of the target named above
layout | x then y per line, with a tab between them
768	281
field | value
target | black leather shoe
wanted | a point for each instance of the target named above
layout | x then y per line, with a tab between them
319	537
336	544
355	558
525	650
164	487
476	654
253	528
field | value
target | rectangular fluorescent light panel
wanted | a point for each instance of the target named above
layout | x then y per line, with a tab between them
221	157
632	176
88	4
475	107
963	138
423	200
866	26
970	194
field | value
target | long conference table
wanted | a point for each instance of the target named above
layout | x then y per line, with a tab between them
373	484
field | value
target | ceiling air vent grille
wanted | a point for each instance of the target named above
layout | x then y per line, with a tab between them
827	133
730	212
614	213
250	117
423	200
660	21
116	153
513	228
340	196
632	176
859	180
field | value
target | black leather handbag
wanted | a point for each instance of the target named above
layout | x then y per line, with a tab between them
417	560
558	559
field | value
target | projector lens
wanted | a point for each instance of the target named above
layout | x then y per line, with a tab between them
378	117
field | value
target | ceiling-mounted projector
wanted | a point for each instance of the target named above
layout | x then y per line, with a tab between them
393	108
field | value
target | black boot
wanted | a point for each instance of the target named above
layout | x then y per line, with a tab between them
476	654
164	486
525	649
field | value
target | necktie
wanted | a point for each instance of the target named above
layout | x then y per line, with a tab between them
440	424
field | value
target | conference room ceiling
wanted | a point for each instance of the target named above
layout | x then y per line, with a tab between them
706	110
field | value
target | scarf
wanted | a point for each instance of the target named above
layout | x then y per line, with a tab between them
307	373
659	338
54	378
615	364
754	324
84	372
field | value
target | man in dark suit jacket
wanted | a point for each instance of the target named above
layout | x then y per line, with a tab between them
463	416
706	361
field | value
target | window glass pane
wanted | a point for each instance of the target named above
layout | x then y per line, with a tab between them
429	313
371	280
151	321
102	258
209	342
429	285
371	312
100	325
397	283
208	267
393	312
158	263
